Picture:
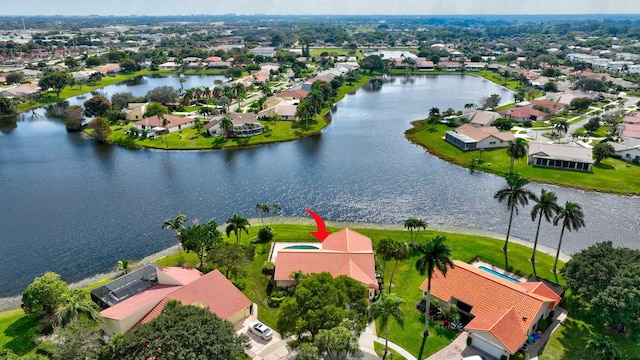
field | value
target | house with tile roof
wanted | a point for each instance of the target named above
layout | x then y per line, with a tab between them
469	137
522	114
190	287
503	313
480	117
155	123
571	156
244	125
345	252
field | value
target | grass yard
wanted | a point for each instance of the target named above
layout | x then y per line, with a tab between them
380	348
612	176
18	332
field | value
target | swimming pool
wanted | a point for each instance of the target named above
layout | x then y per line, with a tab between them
302	247
490	271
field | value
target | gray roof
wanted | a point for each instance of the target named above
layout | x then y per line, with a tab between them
125	286
568	152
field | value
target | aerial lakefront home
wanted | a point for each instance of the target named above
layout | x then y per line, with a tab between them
244	125
500	313
469	137
155	123
571	156
345	252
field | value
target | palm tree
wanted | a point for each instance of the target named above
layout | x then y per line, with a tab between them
560	127
517	149
176	224
124	266
387	307
237	224
412	223
227	126
385	250
434	254
399	252
77	305
545	206
262	209
572	218
514	194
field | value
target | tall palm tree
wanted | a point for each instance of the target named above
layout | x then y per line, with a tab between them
77	305
412	223
545	206
434	254
385	308
227	126
560	127
572	218
399	253
517	149
237	224
513	194
124	266
385	249
176	224
262	209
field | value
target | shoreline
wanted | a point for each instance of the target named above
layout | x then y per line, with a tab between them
13	302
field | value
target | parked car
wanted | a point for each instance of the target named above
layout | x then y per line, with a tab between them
261	330
474	357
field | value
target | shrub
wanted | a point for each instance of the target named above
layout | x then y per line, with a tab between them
469	341
265	235
268	268
527	123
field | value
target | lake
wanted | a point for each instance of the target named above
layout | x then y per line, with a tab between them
76	207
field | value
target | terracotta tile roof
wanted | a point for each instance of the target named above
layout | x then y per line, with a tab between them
345	252
549	104
294	94
503	325
181	275
544	291
155	121
212	290
148	297
488	294
521	113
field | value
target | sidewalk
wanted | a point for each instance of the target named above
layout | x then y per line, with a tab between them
368	338
559	317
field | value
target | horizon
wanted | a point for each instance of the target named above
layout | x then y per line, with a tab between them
321	8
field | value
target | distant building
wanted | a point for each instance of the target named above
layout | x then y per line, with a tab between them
469	137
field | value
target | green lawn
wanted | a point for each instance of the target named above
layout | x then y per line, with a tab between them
613	176
18	331
380	348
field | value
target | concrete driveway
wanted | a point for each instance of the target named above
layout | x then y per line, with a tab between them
263	349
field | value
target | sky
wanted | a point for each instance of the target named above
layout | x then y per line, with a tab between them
316	7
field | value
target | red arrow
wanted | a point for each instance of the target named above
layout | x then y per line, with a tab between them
322	232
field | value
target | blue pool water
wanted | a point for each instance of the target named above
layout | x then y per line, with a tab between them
500	275
302	247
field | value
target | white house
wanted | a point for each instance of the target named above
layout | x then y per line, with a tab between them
571	156
135	111
469	137
156	123
629	150
244	125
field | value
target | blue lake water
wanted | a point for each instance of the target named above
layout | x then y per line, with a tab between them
75	207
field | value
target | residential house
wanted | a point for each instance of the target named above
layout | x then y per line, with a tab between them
503	314
475	66
189	286
264	51
21	91
628	150
548	104
280	111
294	95
450	65
469	137
571	156
345	252
479	118
155	123
630	126
522	114
169	65
244	125
135	111
424	65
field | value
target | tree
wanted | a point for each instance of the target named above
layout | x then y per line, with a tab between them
15	77
129	65
57	81
7	107
400	252
560	127
514	194
124	266
165	95
517	149
200	238
373	63
154	109
617	305
491	102
385	249
231	257
44	295
262	209
236	224
550	86
385	308
73	117
434	255
545	206
176	224
503	124
413	223
593	124
97	106
122	100
71	62
78	340
320	302
265	235
224	101
180	332
603	348
78	306
93	61
602	151
101	129
337	343
572	218
306	351
580	103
